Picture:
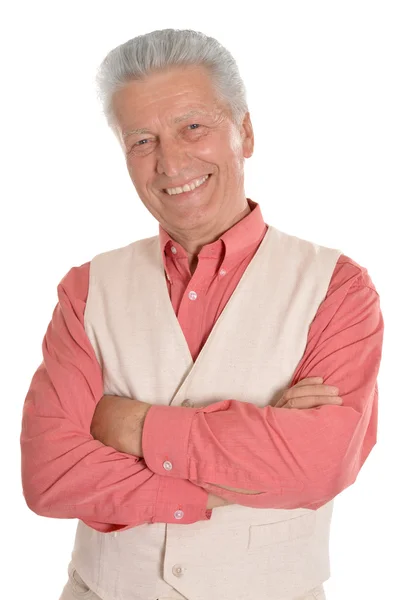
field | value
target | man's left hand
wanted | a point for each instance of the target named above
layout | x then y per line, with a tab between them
118	422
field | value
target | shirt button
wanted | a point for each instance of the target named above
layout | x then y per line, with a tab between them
173	249
179	514
167	465
192	296
177	570
186	403
222	272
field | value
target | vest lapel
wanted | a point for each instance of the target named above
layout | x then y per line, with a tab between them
222	322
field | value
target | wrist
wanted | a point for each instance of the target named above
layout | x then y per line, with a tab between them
132	435
216	501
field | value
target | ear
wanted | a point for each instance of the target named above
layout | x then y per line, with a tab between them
247	136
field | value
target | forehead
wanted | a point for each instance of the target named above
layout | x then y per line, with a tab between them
176	94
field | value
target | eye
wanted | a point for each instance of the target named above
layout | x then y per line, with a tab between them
194	125
142	147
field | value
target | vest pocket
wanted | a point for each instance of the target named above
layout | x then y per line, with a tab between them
79	587
282	531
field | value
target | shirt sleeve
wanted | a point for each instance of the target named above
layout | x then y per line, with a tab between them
293	458
66	473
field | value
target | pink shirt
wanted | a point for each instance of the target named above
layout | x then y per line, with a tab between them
68	474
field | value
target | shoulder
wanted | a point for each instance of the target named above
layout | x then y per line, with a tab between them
351	301
349	276
75	283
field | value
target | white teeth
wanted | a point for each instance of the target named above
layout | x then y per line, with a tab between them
187	187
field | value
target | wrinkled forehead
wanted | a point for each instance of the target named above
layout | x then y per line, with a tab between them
175	95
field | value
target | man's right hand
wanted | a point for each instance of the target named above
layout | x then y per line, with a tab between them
307	393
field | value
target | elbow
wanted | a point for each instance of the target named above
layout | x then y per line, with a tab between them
39	492
32	495
361	440
339	479
38	504
355	457
347	471
35	496
31	500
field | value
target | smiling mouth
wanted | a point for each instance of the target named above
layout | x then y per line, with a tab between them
188	188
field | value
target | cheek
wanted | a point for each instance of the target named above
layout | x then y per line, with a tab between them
138	173
209	146
130	167
223	149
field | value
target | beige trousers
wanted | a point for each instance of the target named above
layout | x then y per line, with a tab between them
76	589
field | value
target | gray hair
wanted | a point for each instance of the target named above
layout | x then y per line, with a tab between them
165	48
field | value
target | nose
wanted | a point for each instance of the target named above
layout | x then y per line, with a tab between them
172	158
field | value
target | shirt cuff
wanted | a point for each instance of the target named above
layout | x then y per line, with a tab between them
180	501
165	439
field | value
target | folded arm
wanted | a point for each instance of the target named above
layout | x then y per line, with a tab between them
66	473
293	458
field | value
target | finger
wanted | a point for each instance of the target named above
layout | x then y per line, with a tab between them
280	403
309	381
311	390
302	382
304	389
312	401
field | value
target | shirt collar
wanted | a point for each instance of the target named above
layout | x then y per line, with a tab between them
238	240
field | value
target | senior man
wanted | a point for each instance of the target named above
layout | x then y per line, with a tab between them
158	416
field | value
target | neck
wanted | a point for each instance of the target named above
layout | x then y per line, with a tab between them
193	247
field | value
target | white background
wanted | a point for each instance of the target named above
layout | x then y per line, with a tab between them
322	81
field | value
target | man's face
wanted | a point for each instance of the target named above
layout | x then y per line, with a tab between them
175	131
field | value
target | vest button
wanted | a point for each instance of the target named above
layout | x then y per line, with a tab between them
192	296
179	514
167	465
177	570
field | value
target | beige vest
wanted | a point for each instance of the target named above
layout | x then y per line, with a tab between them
251	354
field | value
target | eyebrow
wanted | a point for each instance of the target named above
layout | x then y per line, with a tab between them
135	131
191	113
